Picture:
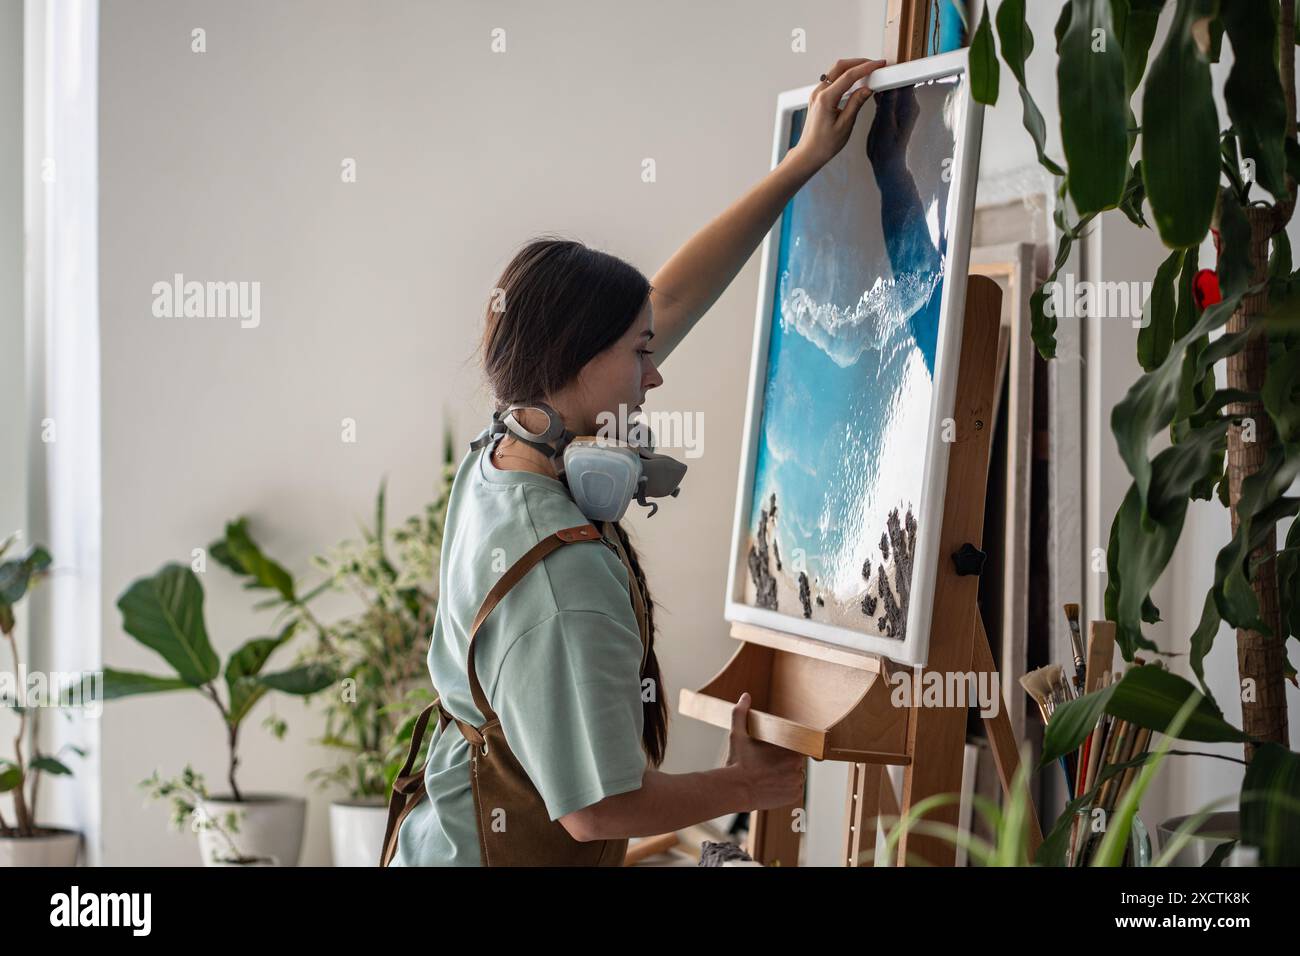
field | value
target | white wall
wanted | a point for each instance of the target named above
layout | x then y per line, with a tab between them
225	165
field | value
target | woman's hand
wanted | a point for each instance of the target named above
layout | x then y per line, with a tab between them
773	776
827	127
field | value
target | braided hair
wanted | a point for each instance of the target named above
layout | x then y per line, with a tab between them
654	733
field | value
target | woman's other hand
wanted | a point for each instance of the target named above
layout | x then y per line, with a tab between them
827	127
773	776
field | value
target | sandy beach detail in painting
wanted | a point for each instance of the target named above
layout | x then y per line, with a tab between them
786	586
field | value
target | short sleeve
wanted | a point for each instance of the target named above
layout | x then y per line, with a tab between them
568	693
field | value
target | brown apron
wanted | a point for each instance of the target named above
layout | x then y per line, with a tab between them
514	827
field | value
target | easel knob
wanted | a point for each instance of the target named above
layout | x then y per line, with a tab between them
968	559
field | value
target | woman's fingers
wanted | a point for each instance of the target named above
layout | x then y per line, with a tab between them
848	76
850	111
840	66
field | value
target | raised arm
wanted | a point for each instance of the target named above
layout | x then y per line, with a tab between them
697	273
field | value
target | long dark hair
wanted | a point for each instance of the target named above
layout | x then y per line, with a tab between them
557	305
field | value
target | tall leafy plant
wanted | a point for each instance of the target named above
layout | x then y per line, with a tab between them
20	777
1200	176
380	651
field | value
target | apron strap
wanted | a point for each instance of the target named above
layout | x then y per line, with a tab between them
532	557
405	784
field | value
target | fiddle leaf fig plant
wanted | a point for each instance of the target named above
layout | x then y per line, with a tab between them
164	612
1204	174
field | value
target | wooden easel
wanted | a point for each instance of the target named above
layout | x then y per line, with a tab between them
833	703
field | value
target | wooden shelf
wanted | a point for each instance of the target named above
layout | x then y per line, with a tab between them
850	718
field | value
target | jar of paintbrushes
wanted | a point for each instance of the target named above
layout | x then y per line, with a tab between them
1107	762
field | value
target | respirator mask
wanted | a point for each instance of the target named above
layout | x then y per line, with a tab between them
604	475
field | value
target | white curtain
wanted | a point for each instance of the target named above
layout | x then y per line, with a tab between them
62	314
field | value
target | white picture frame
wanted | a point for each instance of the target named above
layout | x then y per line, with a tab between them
913	648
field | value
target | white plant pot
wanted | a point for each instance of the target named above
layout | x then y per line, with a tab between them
270	825
357	831
52	847
1213	831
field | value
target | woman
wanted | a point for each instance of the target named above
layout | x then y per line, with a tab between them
548	745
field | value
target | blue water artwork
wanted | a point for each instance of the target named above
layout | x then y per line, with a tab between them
847	397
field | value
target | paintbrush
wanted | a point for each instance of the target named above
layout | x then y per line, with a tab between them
1048	688
1089	763
1076	641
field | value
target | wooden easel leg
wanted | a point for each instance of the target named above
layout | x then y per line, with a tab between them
863	814
773	839
937	752
1001	739
936	736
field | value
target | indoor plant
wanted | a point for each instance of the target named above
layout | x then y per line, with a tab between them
380	654
1242	442
25	842
164	612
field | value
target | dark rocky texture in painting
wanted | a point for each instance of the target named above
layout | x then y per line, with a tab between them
900	538
764	582
804	592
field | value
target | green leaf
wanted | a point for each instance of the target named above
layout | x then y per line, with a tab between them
246	663
1203	639
1143	547
1235	268
16	575
1111	851
1288	582
1042	328
1017	43
1270	805
1071	723
1135	32
1157	331
1151	697
122	684
302	681
1253	92
1149	406
1281	394
50	765
1093	106
1260	505
1134	194
1180	138
165	613
241	554
983	62
10	776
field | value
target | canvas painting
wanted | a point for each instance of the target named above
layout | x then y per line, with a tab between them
857	332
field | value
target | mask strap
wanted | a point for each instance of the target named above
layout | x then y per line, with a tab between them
551	442
489	434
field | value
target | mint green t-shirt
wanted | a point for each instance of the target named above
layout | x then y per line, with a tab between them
559	659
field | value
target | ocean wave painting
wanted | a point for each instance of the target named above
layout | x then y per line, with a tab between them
847	396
